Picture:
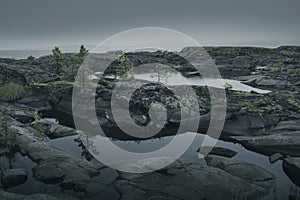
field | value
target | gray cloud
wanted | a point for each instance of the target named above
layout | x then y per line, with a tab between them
36	23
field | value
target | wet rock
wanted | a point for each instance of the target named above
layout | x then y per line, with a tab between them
187	180
55	166
13	177
54	130
23	114
253	173
287	143
291	166
220	151
275	157
244	124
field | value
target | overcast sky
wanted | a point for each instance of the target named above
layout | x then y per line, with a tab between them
32	24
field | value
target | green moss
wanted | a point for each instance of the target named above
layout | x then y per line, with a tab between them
12	92
293	102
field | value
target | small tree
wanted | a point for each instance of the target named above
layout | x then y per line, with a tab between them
59	59
83	52
124	66
227	86
30	58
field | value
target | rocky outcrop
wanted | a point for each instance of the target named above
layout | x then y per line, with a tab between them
287	143
188	180
21	113
24	75
54	166
291	166
253	173
53	129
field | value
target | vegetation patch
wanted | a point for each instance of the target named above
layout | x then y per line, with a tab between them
13	91
7	139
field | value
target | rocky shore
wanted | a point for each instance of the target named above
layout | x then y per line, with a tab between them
266	123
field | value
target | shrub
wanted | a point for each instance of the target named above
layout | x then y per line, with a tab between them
227	86
12	91
7	139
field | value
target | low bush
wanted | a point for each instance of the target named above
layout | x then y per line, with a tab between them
12	91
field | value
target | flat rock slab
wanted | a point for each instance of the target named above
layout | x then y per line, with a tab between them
22	114
189	180
292	125
253	173
221	151
286	143
54	130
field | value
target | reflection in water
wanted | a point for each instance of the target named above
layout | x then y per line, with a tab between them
281	189
13	159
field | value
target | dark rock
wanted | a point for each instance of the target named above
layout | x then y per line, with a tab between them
187	180
140	119
24	75
54	166
292	125
275	157
175	117
13	177
291	166
287	143
54	130
23	114
265	81
220	151
253	173
244	124
67	185
11	196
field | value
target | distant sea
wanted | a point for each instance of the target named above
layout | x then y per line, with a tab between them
23	54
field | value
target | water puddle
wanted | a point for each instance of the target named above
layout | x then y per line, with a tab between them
176	79
282	188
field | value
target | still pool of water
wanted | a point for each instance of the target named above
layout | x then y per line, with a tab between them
283	185
176	79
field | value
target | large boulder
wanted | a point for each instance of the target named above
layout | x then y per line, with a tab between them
245	124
